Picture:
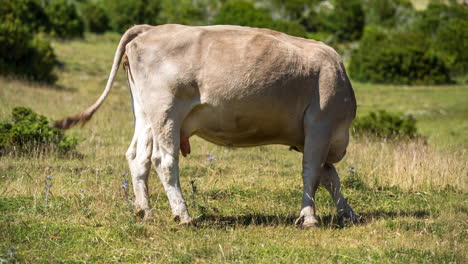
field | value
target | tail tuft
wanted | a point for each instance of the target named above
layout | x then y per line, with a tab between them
71	121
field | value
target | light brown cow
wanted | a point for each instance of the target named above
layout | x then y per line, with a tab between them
233	86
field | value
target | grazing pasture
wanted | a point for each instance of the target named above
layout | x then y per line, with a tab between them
412	196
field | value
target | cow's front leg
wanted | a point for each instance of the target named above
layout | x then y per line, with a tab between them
138	156
330	179
166	160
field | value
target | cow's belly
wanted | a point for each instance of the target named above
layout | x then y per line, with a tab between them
241	126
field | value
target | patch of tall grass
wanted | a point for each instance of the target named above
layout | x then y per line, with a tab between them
408	164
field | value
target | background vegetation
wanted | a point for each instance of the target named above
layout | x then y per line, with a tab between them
410	193
27	133
389	41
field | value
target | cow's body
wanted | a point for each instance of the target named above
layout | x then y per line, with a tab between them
233	86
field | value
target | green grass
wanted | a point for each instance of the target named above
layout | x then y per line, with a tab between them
412	196
441	111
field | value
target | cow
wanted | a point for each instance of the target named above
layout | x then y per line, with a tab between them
232	86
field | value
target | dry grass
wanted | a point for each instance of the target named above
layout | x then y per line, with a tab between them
410	165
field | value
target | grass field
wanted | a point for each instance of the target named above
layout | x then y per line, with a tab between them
412	196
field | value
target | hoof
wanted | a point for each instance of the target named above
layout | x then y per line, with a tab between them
140	214
349	218
187	221
145	215
307	222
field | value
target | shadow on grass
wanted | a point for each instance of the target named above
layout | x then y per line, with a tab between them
219	221
222	221
379	214
326	221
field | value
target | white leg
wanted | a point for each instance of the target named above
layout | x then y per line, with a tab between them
166	160
315	150
138	156
330	179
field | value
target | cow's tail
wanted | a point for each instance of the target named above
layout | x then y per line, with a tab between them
86	115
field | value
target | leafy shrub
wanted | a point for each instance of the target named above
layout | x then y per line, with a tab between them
26	12
396	57
14	40
123	13
64	19
95	18
40	63
447	27
292	28
25	55
388	13
244	13
437	13
345	20
382	124
28	133
185	12
294	9
451	43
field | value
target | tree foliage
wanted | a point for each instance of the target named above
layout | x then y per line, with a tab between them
244	13
64	19
446	26
346	21
29	13
22	53
396	57
123	13
451	42
96	18
184	12
388	13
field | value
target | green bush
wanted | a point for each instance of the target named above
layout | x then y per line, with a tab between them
292	28
95	18
382	124
64	19
346	20
388	13
398	58
123	13
25	55
437	13
446	25
185	12
40	63
451	42
26	12
294	9
244	13
14	40
29	133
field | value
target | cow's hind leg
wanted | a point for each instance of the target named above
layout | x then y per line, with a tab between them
329	176
166	160
330	179
139	160
316	143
